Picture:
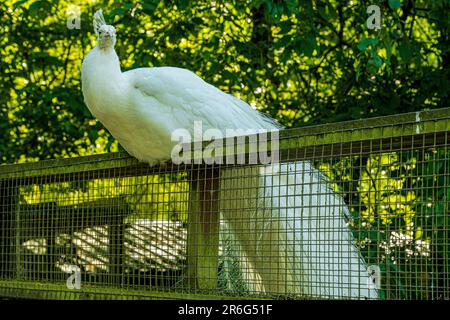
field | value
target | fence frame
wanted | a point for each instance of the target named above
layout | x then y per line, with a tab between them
383	134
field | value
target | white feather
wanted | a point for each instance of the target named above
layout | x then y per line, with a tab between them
98	21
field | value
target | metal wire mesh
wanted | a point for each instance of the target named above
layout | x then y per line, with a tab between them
354	210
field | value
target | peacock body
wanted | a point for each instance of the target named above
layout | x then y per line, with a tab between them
293	232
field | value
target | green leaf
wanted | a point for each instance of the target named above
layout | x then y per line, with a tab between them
117	12
439	215
308	45
36	5
376	236
395	4
323	13
433	168
285	26
183	4
440	208
109	144
332	11
375	60
19	3
405	51
366	42
149	6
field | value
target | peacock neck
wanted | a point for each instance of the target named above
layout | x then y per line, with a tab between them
109	61
103	84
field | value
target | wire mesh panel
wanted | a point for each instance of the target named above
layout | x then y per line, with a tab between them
356	210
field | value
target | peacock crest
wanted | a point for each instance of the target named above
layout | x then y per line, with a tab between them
99	21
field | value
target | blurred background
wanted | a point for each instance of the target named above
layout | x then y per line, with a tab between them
302	62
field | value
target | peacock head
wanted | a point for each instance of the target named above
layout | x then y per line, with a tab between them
106	34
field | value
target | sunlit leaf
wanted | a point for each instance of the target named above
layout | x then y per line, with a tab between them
395	4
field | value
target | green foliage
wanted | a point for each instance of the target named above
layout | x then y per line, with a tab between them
300	61
156	197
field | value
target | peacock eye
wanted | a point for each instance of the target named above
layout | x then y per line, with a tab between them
100	32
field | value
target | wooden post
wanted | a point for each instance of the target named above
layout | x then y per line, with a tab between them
8	203
203	228
115	233
117	208
49	219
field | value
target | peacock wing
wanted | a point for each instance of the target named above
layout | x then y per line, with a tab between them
188	98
